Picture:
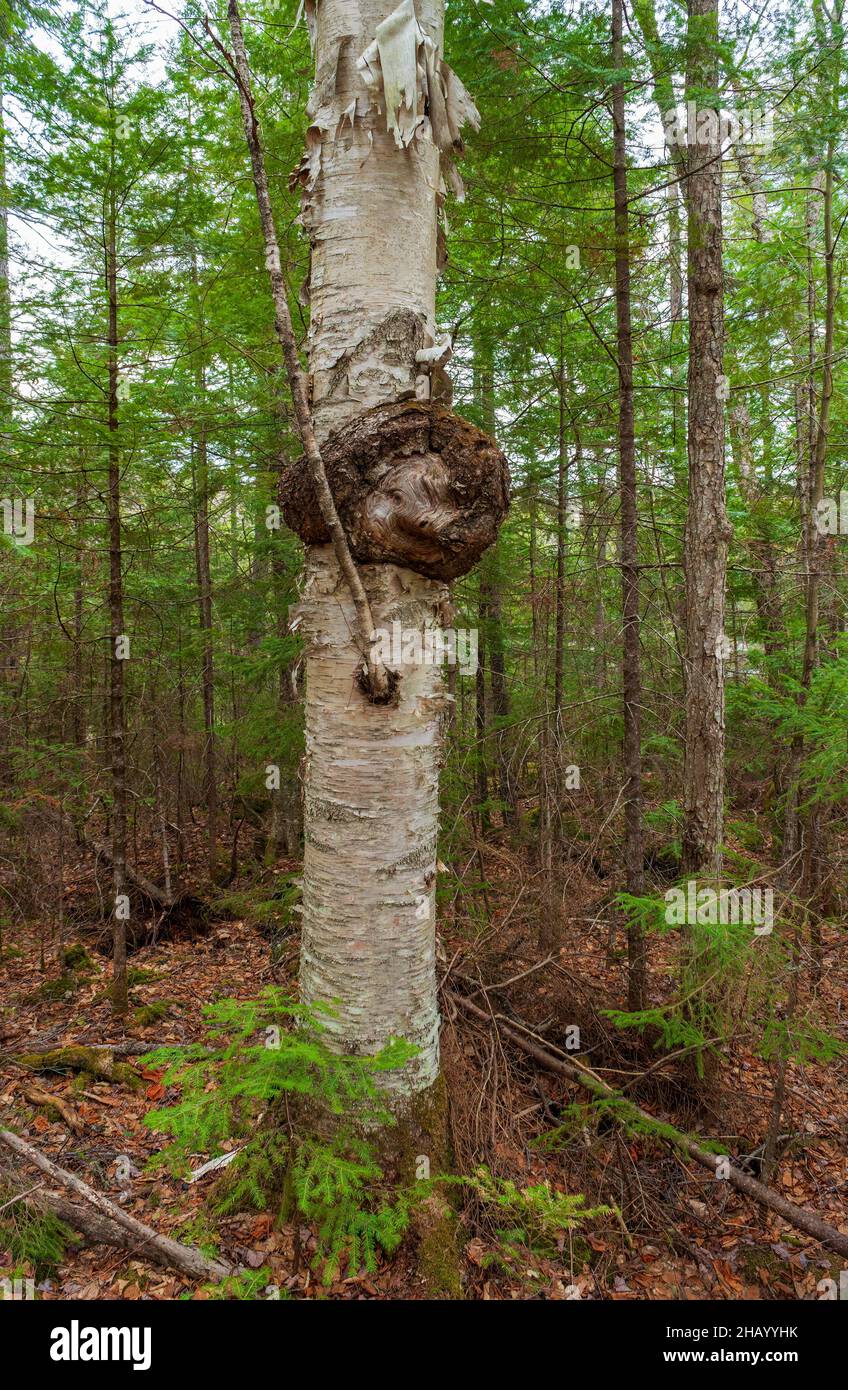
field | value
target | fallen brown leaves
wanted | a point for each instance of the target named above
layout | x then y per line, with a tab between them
687	1236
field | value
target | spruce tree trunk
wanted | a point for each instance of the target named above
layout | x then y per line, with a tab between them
202	547
707	528
631	665
562	483
5	292
78	720
491	637
801	848
203	570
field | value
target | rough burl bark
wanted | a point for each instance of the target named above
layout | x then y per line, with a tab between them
414	485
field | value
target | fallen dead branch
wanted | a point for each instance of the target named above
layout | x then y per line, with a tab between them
146	886
37	1096
799	1217
98	1229
100	1217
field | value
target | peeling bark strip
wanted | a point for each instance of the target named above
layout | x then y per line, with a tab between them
370	208
423	96
413	484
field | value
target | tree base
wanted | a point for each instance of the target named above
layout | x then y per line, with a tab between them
419	1146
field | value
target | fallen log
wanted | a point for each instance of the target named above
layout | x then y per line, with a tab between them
93	1061
40	1045
98	1229
184	1258
803	1220
158	896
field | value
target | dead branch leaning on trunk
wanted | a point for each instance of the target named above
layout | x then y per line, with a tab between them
181	1257
808	1221
379	683
145	885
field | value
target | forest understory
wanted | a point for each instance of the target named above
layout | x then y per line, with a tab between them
676	1232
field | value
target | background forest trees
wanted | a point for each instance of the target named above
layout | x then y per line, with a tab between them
655	332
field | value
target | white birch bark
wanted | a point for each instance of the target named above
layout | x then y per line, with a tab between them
371	798
371	217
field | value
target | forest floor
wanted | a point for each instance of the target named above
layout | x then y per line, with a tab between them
681	1233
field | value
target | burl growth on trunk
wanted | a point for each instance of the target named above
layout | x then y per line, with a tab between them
414	485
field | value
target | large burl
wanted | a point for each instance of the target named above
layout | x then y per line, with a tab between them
413	484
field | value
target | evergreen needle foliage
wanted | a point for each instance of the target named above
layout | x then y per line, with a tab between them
260	1052
33	1236
537	1216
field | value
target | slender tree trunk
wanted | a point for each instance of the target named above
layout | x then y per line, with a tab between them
481	721
5	291
117	656
600	633
764	562
815	554
491	616
707	529
532	508
631	664
501	704
202	548
179	799
78	711
204	606
561	503
811	490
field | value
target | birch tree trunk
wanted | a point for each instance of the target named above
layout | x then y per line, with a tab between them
371	771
